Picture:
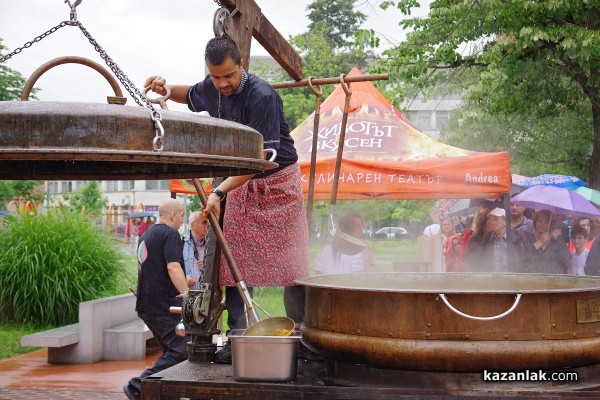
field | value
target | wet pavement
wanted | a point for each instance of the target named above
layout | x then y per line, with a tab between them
29	376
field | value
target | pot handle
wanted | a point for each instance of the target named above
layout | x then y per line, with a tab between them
273	154
504	314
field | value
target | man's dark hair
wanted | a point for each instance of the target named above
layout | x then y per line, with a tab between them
577	230
219	49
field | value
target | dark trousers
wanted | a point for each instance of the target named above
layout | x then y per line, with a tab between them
174	347
293	300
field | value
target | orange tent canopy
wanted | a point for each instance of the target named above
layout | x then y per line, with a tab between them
187	186
386	157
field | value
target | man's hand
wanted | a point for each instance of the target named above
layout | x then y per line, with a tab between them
157	84
213	204
191	281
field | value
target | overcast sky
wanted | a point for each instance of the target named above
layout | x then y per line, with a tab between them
143	37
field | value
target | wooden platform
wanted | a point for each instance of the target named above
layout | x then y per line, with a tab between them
214	381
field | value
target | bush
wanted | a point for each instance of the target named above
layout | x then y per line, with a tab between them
51	263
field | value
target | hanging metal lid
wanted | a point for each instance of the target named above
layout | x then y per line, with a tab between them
86	141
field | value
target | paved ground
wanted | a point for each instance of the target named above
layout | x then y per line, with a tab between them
28	376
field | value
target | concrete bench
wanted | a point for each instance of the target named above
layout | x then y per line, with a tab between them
56	340
126	341
84	343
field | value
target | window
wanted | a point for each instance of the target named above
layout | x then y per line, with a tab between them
66	187
157	185
423	120
53	187
152	185
441	119
127	185
112	186
79	185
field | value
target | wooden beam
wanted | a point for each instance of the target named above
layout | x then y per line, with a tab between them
247	22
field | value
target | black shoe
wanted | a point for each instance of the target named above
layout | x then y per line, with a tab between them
305	353
223	356
131	392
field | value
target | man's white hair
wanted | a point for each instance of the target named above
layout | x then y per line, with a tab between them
194	217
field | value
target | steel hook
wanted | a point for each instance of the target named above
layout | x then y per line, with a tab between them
73	8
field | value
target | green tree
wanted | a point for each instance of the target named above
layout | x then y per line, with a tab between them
328	49
20	190
11	81
336	20
524	61
90	199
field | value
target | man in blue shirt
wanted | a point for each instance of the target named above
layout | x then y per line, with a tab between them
193	248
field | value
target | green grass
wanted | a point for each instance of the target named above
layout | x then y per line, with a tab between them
10	337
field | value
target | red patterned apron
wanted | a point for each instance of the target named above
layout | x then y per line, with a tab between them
265	227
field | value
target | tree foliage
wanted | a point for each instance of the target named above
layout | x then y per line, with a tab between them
11	81
517	62
89	199
336	20
25	190
328	49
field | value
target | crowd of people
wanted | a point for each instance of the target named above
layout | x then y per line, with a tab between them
544	243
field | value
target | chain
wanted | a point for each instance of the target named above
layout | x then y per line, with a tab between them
37	39
219	3
158	141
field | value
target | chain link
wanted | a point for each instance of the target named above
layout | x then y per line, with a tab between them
37	39
219	3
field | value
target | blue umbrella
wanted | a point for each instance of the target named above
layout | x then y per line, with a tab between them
552	180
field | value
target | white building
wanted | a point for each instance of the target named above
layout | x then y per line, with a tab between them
430	117
123	196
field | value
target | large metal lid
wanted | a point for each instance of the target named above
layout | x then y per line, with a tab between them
88	141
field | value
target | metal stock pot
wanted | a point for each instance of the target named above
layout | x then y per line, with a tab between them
454	321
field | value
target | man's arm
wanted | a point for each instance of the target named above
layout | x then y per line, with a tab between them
177	276
214	201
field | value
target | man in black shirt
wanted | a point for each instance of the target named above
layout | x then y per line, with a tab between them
160	279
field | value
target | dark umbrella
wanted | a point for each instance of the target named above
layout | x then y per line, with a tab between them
140	214
470	206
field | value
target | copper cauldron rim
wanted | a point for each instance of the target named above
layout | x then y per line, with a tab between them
421	282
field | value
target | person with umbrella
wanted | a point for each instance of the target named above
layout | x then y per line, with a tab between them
134	236
544	249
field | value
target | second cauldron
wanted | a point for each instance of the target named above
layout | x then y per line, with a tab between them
454	322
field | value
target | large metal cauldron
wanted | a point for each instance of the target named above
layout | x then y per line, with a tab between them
405	320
